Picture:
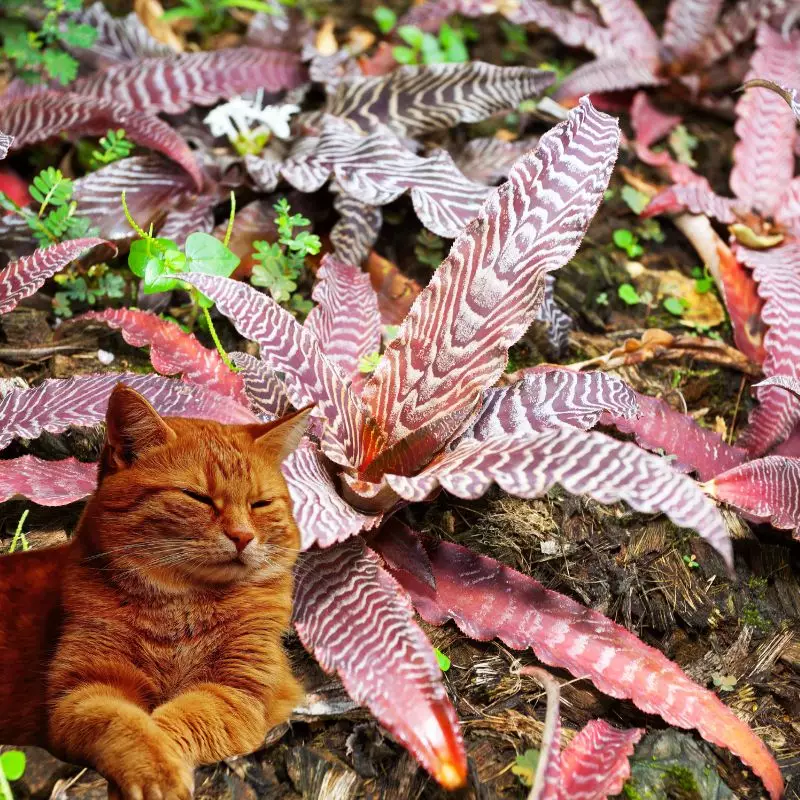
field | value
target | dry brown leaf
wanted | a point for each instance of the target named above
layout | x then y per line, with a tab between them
359	40
150	12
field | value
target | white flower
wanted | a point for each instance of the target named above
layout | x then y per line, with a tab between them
235	118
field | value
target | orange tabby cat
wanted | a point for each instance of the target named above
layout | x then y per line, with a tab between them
151	643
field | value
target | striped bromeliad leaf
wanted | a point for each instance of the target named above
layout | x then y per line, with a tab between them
377	169
56	404
5	142
265	391
346	321
488	159
767	489
309	376
593	766
48	483
487	600
174	83
529	464
357	229
172	350
151	184
415	100
24	277
454	342
777	273
357	620
38	118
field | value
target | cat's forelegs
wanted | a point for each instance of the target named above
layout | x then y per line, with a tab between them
99	724
213	721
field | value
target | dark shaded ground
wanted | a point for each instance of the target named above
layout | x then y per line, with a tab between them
746	634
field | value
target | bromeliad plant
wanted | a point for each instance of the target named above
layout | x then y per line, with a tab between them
429	417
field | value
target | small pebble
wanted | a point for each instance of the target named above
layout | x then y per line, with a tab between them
104	357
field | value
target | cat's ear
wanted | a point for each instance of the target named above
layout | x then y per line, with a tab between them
281	437
132	427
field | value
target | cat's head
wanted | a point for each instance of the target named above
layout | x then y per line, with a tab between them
193	503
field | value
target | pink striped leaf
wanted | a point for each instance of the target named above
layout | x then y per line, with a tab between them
790	447
791	96
358	622
322	516
550	396
172	350
151	185
191	214
357	229
736	27
595	764
454	342
630	30
558	324
415	100
377	169
173	84
764	163
696	197
649	123
688	24
529	464
613	74
346	320
39	118
119	39
56	404
264	389
777	273
487	600
488	159
787	382
22	278
766	488
657	426
46	483
309	376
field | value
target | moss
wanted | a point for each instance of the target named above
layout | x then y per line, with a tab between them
752	616
679	782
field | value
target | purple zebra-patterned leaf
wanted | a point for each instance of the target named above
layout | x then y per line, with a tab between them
787	382
173	84
172	350
791	446
613	74
486	293
696	197
487	600
763	165
56	404
595	764
415	100
777	273
322	516
119	39
659	427
264	390
630	30
530	463
346	321
46	483
24	277
357	229
767	488
736	27
688	24
5	142
36	119
488	160
548	396
377	169
191	214
151	185
309	376
790	95
557	323
383	659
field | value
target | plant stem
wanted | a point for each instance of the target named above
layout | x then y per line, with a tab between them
220	349
229	231
19	536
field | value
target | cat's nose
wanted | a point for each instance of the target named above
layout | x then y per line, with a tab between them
241	537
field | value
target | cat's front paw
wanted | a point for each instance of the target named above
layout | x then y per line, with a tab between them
160	776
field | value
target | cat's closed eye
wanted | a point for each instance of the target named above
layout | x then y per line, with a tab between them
200	498
261	504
